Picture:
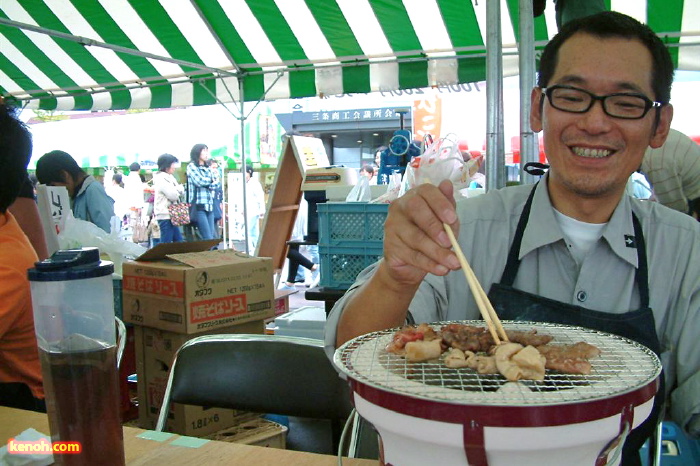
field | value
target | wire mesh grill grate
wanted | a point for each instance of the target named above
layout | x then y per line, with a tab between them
623	366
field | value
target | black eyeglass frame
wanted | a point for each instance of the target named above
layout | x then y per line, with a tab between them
648	103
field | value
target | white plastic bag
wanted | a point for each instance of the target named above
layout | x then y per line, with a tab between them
78	233
392	191
442	160
360	192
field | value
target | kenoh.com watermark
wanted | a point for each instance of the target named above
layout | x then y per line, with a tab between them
22	447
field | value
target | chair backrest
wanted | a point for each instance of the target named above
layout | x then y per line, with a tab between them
263	373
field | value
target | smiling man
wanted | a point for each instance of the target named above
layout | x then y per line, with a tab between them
573	249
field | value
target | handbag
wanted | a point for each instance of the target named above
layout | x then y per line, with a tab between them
179	213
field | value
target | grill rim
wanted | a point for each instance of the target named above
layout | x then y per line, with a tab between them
535	399
550	415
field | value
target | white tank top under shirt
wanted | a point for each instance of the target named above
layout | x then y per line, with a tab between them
580	236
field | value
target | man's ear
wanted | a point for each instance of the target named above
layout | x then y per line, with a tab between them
536	105
662	127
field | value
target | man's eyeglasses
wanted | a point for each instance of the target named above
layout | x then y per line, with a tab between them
622	105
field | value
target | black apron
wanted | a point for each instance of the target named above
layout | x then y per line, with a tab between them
639	325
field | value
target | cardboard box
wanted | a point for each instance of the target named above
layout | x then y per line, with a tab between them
186	288
258	432
155	350
282	301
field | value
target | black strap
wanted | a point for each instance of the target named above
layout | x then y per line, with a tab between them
513	263
642	273
535	168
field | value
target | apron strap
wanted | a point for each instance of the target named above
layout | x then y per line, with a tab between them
642	273
513	263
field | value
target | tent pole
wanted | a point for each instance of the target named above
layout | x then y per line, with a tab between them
495	163
526	58
243	165
224	223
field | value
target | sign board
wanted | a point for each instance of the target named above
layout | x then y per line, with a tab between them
346	115
54	205
309	152
299	154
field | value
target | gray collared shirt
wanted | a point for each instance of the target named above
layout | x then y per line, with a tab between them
604	281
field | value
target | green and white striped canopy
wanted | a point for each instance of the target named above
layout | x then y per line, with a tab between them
117	54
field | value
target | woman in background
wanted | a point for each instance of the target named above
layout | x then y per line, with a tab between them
255	206
167	192
202	182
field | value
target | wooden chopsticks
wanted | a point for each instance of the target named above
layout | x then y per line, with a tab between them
482	301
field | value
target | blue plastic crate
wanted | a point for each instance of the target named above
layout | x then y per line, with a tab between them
677	448
351	223
340	265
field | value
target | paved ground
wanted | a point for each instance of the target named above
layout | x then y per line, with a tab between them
297	300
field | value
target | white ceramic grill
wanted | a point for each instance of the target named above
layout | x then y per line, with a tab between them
417	406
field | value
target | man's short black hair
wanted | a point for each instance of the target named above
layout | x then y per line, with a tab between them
15	152
50	165
134	167
610	24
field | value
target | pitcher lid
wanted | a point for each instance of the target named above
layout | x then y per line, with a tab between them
71	264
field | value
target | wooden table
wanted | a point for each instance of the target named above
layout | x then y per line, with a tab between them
142	451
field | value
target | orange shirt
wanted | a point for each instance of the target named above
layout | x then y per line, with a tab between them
19	355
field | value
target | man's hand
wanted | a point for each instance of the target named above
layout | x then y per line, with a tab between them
415	242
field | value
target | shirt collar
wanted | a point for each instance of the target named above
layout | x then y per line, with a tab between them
543	229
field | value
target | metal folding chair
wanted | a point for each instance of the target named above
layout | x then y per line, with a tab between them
288	376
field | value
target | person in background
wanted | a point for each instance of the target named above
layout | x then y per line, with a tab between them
153	232
368	172
21	384
381	179
134	188
115	190
566	10
89	199
167	192
572	249
218	208
294	255
378	156
255	206
202	181
674	173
